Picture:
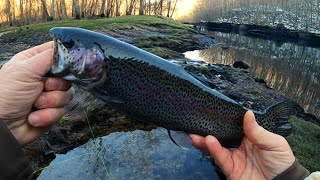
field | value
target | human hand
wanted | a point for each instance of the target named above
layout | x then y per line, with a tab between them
29	102
261	155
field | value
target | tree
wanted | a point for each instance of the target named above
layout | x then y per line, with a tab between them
52	9
22	18
45	14
169	7
141	12
102	9
118	5
8	11
161	5
75	7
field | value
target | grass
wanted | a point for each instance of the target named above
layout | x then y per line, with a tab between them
122	22
164	53
305	143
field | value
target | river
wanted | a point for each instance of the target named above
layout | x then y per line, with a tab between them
290	69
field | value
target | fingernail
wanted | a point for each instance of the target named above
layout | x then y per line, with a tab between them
34	119
40	102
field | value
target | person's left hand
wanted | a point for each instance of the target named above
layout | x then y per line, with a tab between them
29	102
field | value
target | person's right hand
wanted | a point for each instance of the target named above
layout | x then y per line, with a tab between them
261	155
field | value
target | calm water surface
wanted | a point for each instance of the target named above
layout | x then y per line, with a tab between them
290	69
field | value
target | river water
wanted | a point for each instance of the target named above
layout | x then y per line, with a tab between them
290	69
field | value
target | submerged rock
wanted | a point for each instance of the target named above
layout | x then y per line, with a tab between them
131	155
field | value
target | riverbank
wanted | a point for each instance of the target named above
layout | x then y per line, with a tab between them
167	38
278	33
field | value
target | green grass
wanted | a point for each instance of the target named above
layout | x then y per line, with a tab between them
164	53
122	22
305	143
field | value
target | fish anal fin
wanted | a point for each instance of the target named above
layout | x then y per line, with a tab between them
180	139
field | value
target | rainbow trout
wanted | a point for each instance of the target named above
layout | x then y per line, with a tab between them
151	89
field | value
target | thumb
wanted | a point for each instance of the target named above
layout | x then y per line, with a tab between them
257	134
41	63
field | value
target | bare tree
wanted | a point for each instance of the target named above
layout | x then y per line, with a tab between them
141	12
22	17
82	9
118	4
63	8
76	9
8	11
45	14
110	7
102	9
161	6
169	8
174	8
130	9
52	9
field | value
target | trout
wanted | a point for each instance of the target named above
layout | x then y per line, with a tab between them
152	89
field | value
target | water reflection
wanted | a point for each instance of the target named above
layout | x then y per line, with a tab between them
131	155
290	69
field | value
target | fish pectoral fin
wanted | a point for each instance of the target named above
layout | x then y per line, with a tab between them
180	139
104	96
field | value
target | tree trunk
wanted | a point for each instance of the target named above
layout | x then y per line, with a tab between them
82	9
117	8
45	14
169	8
141	12
174	8
149	7
63	9
59	10
129	12
21	12
109	7
8	11
52	9
76	9
161	4
91	8
103	7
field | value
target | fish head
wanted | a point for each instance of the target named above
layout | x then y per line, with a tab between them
78	56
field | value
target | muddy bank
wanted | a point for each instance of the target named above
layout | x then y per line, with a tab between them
279	33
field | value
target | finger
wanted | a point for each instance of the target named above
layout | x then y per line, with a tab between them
221	155
38	49
53	99
199	142
41	63
257	134
56	84
45	117
30	134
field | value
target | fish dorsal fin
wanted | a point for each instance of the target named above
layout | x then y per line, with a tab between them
180	139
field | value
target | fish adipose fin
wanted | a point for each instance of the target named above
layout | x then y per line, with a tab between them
280	113
180	139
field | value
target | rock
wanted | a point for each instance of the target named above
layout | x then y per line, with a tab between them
131	155
241	64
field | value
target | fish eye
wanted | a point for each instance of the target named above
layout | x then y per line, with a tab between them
68	43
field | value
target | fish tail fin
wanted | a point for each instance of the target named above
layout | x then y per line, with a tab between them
279	115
